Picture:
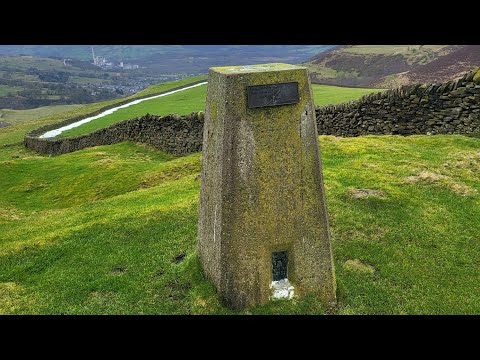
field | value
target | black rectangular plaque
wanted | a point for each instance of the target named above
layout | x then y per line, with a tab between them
279	265
272	94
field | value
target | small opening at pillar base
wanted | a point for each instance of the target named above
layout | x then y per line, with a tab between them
281	287
279	265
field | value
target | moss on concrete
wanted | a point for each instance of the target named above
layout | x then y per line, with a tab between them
260	68
262	176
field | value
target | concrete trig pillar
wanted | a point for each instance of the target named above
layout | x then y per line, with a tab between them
263	226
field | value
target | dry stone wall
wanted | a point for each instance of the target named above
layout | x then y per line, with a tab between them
175	134
448	108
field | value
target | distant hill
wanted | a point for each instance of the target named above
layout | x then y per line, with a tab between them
195	55
43	75
387	66
452	65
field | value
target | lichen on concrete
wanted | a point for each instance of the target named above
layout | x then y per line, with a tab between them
262	189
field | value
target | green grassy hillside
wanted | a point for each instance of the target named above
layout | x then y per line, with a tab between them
17	132
112	229
194	100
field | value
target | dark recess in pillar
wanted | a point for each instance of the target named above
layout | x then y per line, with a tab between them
279	265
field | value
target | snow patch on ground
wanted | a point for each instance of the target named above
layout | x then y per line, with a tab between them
56	132
282	289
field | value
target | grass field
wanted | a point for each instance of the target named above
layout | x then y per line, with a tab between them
5	90
329	95
194	100
19	116
98	230
18	67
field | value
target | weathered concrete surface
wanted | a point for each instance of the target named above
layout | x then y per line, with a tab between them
262	189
